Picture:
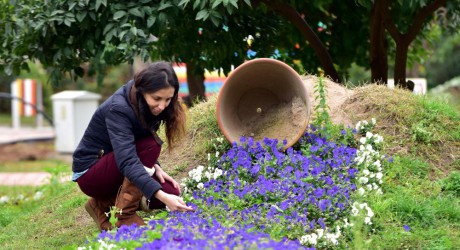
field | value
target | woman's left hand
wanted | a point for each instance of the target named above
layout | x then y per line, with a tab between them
162	176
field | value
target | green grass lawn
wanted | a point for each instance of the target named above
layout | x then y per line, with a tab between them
32	166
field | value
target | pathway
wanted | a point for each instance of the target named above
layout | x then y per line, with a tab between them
27	178
12	135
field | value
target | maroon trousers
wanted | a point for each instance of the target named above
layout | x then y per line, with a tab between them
103	179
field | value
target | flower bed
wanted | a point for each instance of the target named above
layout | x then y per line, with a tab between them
255	196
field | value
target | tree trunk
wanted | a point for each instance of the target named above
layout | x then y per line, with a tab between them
378	45
301	24
195	82
400	66
404	40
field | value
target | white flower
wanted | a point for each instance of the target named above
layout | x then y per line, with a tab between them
332	238
373	121
106	245
207	174
366	171
362	140
379	175
354	211
38	195
367	221
4	199
320	233
347	224
369	135
361	191
370	213
363	180
362	205
218	172
310	239
200	185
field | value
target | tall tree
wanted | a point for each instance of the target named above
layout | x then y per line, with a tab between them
64	34
403	21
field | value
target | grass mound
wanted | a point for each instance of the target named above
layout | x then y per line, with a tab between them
411	125
193	147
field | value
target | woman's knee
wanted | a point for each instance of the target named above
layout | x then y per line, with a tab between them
169	188
148	151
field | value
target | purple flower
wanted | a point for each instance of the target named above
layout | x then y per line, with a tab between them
406	228
324	204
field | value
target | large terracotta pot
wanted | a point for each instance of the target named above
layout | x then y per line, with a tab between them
263	98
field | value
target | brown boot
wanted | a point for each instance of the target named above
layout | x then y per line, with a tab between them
127	203
98	208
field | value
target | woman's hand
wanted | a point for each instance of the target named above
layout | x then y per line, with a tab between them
162	176
172	202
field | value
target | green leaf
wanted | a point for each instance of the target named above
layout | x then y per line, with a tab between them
119	14
72	5
133	30
57	12
248	2
196	4
98	4
141	33
136	12
164	6
202	15
184	3
81	15
216	3
150	21
107	28
234	3
215	18
110	34
122	34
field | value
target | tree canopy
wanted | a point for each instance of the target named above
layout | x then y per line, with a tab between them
216	34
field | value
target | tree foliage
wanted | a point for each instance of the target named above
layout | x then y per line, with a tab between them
401	21
213	34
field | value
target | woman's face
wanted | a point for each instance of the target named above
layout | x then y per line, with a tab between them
159	100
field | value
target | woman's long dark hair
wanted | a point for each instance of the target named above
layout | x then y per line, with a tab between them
156	76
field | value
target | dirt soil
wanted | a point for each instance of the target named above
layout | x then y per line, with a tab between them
27	151
282	121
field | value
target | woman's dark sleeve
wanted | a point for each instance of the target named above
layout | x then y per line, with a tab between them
120	130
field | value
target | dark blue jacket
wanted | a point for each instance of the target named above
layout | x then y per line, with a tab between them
115	127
